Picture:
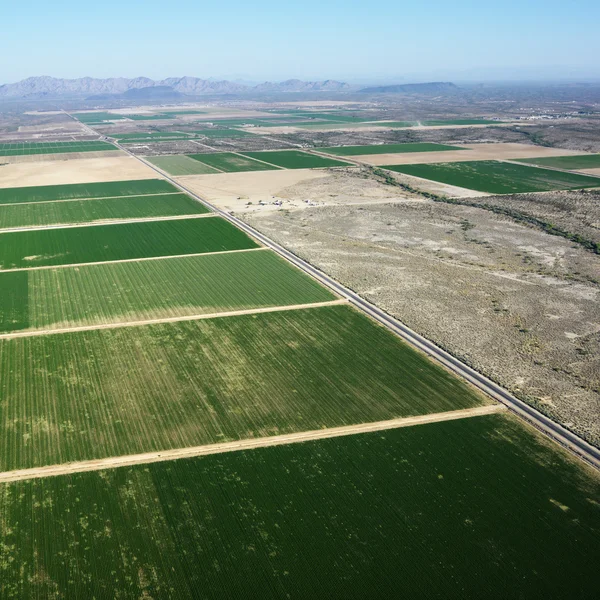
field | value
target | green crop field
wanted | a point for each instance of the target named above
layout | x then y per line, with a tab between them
90	210
581	161
98	117
153	289
155	117
388	149
179	164
30	148
73	245
176	113
229	162
477	508
498	177
45	193
436	122
107	392
295	159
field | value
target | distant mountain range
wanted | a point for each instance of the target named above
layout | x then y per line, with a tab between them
177	87
39	87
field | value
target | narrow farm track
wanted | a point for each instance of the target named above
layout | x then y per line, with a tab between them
118	325
248	444
544	424
105	222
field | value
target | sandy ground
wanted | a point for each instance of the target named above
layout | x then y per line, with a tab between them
67	126
294	188
471	152
35	158
591	171
248	444
517	304
85	170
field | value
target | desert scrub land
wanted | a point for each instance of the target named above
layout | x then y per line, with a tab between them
108	392
133	291
109	189
509	299
91	210
121	241
497	177
404	509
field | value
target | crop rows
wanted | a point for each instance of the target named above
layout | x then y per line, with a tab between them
109	392
582	161
294	159
229	162
135	291
73	245
388	149
467	509
498	177
179	164
26	148
90	210
109	189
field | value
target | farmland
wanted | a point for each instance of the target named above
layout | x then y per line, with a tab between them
387	149
30	148
583	161
405	509
45	193
172	385
90	210
179	164
441	122
152	136
498	177
294	159
97	117
74	245
152	289
229	162
222	133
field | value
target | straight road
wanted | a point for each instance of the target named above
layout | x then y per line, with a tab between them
560	434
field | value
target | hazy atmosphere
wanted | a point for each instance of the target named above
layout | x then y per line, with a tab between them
353	41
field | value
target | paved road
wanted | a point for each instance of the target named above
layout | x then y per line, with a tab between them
560	434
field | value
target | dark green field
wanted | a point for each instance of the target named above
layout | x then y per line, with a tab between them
73	245
97	117
229	162
582	161
477	508
30	148
44	193
118	292
498	177
109	392
295	159
89	210
388	149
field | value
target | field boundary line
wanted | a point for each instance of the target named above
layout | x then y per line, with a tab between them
247	444
128	260
196	317
102	223
179	193
260	161
553	430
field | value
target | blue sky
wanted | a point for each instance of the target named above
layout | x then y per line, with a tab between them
350	40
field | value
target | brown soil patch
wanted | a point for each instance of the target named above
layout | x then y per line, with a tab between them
85	170
471	152
36	158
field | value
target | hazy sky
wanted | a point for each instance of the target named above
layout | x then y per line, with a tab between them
308	39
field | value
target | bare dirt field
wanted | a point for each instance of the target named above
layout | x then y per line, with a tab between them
297	188
85	170
591	171
470	152
519	305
